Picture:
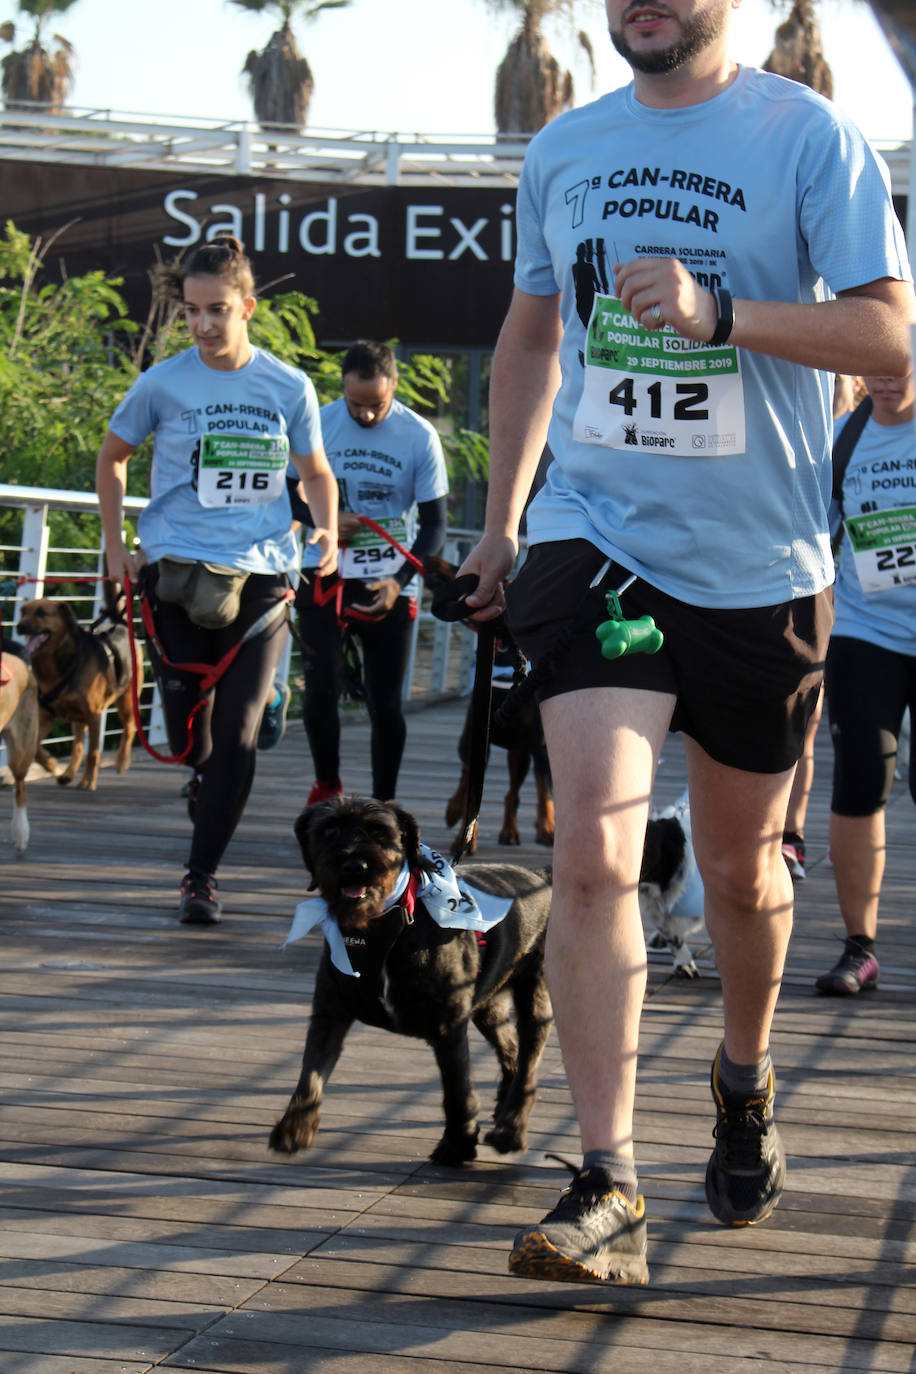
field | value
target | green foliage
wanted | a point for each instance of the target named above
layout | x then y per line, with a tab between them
69	352
62	367
290	9
43	9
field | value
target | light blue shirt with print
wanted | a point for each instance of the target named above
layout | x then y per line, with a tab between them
881	475
768	191
383	471
181	401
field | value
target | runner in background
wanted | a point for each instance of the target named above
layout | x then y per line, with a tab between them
217	545
389	465
871	666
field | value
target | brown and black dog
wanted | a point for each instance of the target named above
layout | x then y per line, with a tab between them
522	736
79	675
19	732
517	729
419	978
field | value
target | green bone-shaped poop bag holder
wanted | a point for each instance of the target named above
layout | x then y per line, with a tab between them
619	637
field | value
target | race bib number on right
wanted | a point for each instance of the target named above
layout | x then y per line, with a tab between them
883	544
655	391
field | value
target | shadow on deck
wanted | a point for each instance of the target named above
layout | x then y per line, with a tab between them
143	1221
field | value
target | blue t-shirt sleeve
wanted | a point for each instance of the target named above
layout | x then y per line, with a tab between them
846	214
137	415
533	264
304	421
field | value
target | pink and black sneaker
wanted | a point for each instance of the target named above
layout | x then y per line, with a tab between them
856	970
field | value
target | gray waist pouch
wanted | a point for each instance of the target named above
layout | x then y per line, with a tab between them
209	594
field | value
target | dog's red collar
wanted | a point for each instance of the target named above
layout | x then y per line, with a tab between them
409	899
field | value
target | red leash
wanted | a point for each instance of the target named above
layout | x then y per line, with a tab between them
335	592
210	673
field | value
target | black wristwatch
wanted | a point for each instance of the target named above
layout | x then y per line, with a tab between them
726	320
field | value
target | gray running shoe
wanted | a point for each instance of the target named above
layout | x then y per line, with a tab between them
593	1235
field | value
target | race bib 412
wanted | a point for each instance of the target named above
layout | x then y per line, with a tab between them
657	391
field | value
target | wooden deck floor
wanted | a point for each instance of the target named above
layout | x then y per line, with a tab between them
143	1222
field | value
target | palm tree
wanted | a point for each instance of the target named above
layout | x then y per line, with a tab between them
799	51
37	75
279	78
531	87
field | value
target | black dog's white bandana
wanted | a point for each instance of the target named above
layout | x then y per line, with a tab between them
449	900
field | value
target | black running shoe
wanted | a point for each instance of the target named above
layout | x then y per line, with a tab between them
856	970
593	1235
198	905
747	1168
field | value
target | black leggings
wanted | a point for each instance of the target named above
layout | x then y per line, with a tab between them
226	728
385	647
868	690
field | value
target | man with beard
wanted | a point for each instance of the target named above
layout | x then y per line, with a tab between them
389	466
754	252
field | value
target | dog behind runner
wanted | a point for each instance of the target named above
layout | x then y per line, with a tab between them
80	673
389	963
517	729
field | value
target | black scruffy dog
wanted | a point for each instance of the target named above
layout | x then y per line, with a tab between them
420	979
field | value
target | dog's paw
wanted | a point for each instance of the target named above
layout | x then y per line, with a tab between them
688	970
510	835
63	779
543	834
506	1140
451	1152
295	1130
86	784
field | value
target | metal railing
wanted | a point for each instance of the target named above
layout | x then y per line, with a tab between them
33	565
368	157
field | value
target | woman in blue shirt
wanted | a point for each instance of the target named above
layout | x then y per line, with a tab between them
226	418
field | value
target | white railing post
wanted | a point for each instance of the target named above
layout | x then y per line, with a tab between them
33	560
243	151
393	161
407	684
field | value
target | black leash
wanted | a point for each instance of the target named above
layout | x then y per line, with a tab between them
448	604
478	737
